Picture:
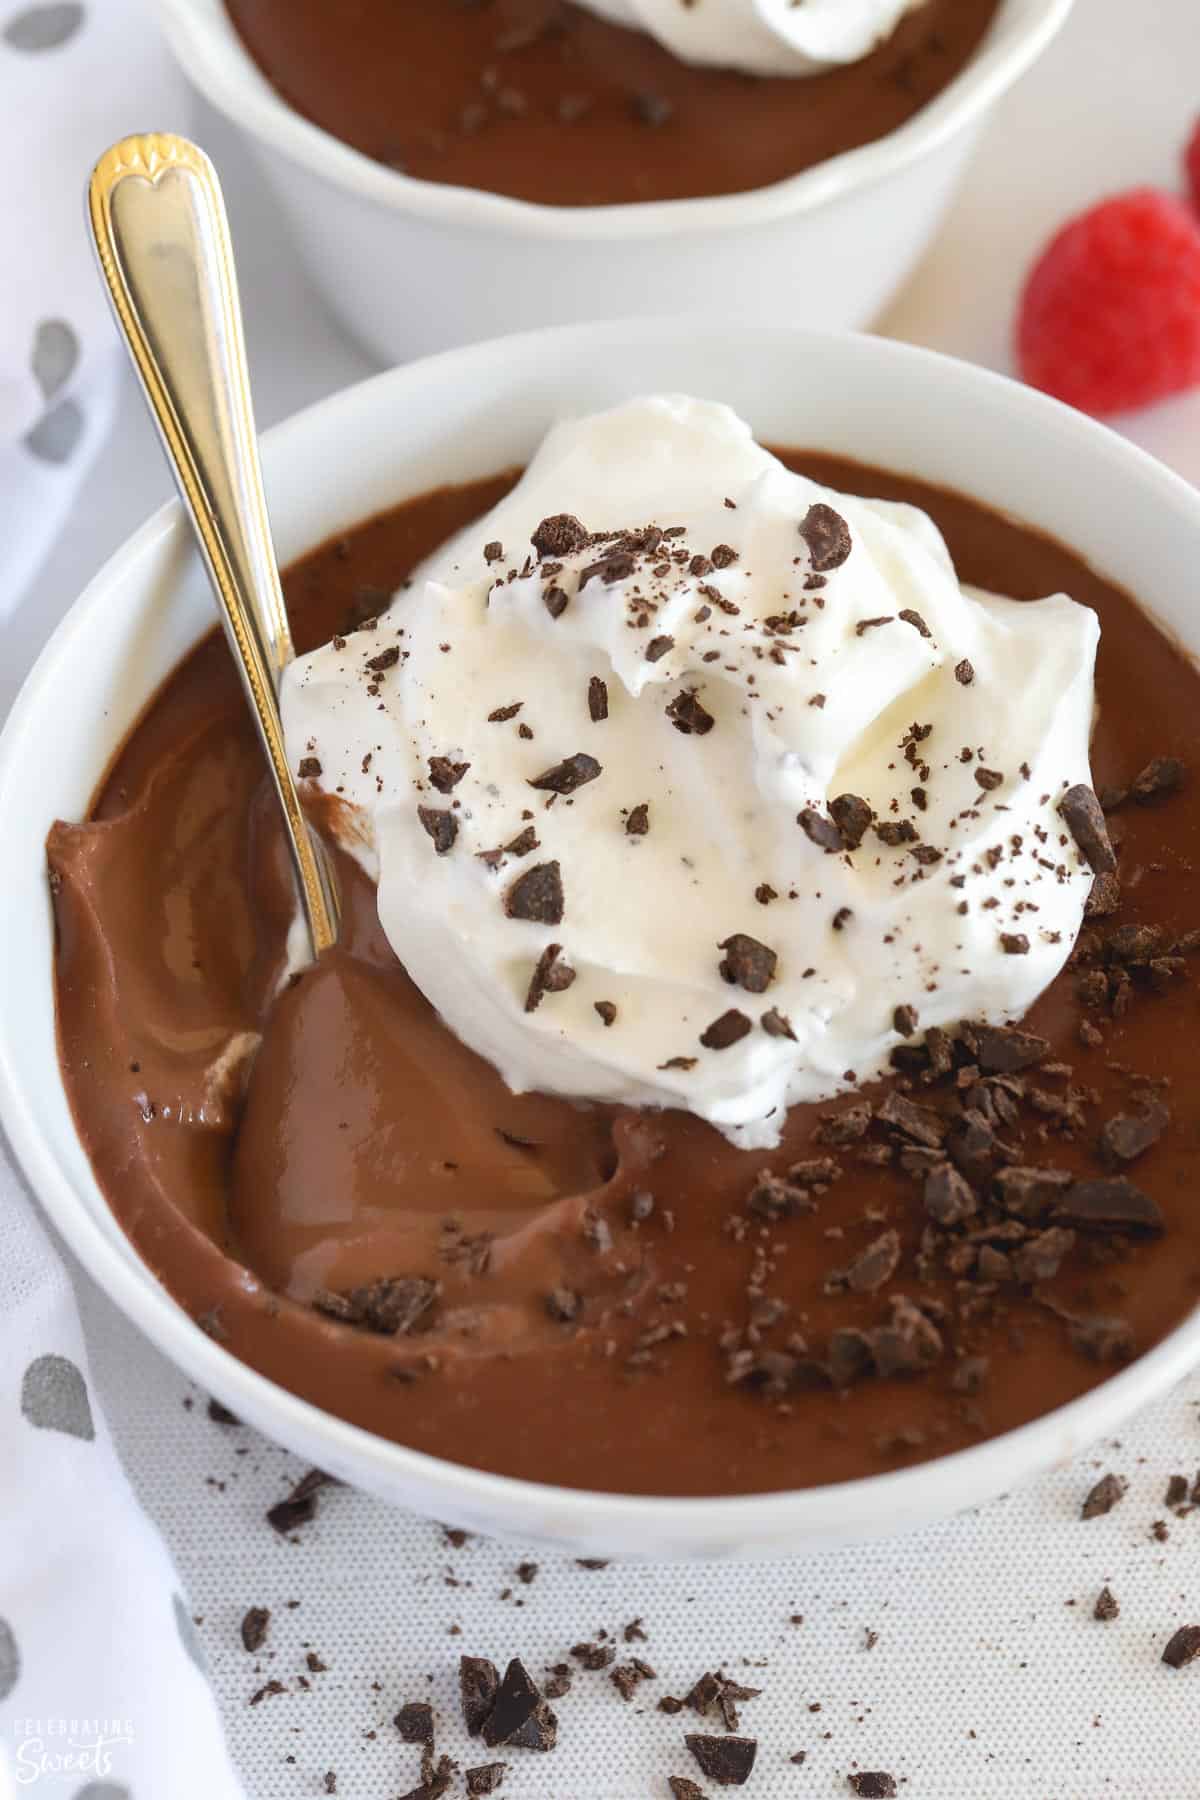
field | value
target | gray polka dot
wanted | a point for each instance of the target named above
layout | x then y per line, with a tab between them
189	1636
10	1660
44	27
54	1397
55	436
104	1790
55	354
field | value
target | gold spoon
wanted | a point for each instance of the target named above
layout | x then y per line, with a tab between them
162	239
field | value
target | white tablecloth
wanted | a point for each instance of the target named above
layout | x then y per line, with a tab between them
990	1678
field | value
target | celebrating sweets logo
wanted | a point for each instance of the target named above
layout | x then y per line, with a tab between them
66	1749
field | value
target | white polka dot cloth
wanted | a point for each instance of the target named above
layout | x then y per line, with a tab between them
75	75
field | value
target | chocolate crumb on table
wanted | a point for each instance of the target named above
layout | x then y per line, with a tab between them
300	1506
873	1784
1183	1647
725	1761
254	1628
1107	1606
485	1778
414	1722
1106	1494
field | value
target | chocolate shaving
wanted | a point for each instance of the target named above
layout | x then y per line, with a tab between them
387	659
1084	819
567	775
1107	1606
865	625
913	618
441	826
896	831
1161	776
637	822
523	843
559	535
1183	1648
1014	943
484	1778
747	963
520	1716
852	816
308	768
819	830
502	714
391	1305
725	1761
949	1197
658	647
444	774
606	1009
300	1506
550	976
689	716
1103	1339
828	537
681	1788
875	1266
964	673
905	1020
597	696
537	895
478	1681
777	1024
988	779
414	1722
1110	1204
554	599
1127	1136
728	1029
254	1628
1002	1049
873	1784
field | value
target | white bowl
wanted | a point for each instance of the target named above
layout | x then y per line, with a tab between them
464	415
414	266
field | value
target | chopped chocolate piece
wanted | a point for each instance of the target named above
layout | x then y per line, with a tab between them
1107	1606
864	625
1039	1259
920	1123
913	618
300	1506
747	963
558	1682
1183	1648
637	824
1084	819
478	1682
493	551
444	774
1002	1049
679	1062
908	1343
681	1788
1128	1135
964	673
523	843
484	1778
1028	1193
554	599
949	1198
689	716
537	895
1161	776
1102	1339
627	1677
441	826
254	1628
387	659
846	1127
550	976
658	647
414	1722
1177	1492
558	536
1014	943
1106	1494
725	1761
828	537
852	816
772	1197
873	1784
503	714
597	699
723	556
905	1020
728	1029
1110	1203
567	775
308	768
221	1415
606	1009
819	830
777	1024
877	1264
594	1656
988	779
564	1305
896	831
842	918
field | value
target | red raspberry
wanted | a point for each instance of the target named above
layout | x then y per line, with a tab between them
1110	316
1191	163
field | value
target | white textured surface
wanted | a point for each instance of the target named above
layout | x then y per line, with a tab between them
975	1633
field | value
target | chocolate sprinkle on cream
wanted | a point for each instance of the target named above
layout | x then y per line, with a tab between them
444	774
689	716
637	823
819	830
827	535
1084	819
573	772
537	895
852	815
964	673
441	826
308	768
776	1024
865	625
658	647
558	536
550	976
988	779
913	618
728	1029
607	1011
502	714
597	699
1014	943
747	963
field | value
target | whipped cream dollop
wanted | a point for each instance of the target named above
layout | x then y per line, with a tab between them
763	37
688	782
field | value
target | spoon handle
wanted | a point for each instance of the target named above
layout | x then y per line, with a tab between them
162	239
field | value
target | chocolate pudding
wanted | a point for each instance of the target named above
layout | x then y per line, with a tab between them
349	1199
545	101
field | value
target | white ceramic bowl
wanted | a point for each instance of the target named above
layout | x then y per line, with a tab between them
463	415
414	266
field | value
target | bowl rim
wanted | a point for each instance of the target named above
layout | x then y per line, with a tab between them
690	1525
213	56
